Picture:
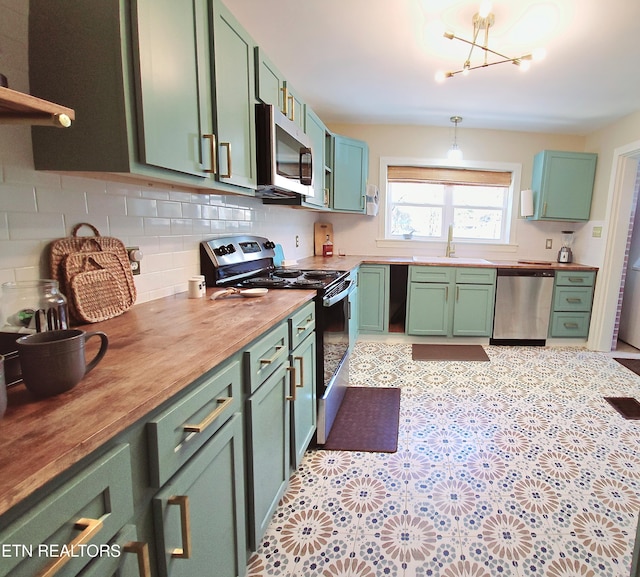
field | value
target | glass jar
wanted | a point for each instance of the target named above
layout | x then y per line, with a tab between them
33	306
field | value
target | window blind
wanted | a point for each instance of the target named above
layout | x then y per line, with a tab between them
448	175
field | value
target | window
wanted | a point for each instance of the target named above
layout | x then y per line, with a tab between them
422	201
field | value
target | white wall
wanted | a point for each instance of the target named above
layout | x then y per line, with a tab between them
36	207
358	235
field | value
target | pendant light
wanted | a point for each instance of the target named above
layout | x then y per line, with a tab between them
454	152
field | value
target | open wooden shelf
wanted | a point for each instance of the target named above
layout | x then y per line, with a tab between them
19	108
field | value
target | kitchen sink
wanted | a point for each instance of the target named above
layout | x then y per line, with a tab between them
450	259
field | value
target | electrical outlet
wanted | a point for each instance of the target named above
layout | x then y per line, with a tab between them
549	243
596	232
135	256
297	240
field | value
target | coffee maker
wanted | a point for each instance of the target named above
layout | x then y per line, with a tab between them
564	254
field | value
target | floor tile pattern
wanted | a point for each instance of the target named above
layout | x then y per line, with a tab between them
512	467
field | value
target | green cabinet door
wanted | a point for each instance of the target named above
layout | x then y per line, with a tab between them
316	131
473	310
373	298
294	107
303	405
199	514
429	309
562	184
350	170
174	84
269	81
234	100
268	450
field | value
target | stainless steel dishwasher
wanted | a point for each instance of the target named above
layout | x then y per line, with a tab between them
523	306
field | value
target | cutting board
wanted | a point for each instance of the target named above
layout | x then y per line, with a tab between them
320	232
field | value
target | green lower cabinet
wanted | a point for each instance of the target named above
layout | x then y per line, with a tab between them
572	301
462	307
373	298
303	406
268	450
428	309
473	310
199	513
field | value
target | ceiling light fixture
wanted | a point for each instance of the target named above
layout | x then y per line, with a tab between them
482	21
454	152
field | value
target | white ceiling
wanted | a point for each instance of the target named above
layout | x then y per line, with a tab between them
374	61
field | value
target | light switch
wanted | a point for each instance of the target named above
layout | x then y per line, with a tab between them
596	232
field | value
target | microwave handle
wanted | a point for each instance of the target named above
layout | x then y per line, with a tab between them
306	180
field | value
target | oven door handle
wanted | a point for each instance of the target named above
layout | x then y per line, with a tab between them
332	300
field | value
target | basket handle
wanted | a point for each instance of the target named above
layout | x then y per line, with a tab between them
77	227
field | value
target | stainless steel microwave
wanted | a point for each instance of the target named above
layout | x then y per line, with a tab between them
284	156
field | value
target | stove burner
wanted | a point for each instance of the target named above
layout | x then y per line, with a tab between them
263	281
307	282
320	274
287	272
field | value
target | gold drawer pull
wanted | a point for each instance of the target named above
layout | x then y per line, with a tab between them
141	549
182	501
574	300
570	325
575	279
227	145
273	358
89	528
307	326
292	116
285	101
301	360
292	385
223	403
212	152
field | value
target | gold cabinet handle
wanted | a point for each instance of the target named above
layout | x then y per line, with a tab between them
570	325
306	326
576	279
446	294
285	101
301	361
141	550
223	403
292	116
457	293
574	300
88	529
212	152
544	209
182	501
273	358
227	145
292	384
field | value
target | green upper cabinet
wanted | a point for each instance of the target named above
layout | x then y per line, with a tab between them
272	88
316	131
234	100
562	184
153	108
350	170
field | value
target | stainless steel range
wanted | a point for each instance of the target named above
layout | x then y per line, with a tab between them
247	261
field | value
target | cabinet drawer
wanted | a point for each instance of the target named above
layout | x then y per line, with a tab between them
465	275
177	433
93	506
442	274
572	299
575	278
265	355
302	324
570	324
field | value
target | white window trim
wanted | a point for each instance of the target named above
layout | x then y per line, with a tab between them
386	161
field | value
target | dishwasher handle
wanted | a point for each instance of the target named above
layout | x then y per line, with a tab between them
550	273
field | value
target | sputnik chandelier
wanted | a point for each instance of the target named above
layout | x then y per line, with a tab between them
482	21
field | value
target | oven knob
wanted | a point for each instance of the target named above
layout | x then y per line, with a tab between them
220	251
269	244
230	249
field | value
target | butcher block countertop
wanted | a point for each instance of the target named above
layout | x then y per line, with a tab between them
155	350
350	262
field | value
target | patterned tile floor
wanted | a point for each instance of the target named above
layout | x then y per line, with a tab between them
512	467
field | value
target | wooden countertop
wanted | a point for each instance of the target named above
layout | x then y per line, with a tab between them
155	350
352	261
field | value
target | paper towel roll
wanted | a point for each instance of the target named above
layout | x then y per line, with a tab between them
373	199
526	202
